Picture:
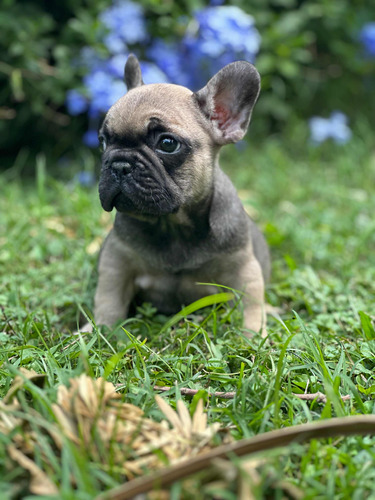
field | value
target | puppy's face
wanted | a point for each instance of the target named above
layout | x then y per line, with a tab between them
156	153
160	141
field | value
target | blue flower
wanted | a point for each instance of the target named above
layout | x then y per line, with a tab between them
152	74
115	44
228	27
335	128
170	58
76	103
126	21
116	65
88	57
85	179
97	83
367	37
90	138
103	89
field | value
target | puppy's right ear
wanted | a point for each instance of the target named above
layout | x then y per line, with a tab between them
133	73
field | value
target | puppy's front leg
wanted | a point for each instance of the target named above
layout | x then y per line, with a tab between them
253	300
115	288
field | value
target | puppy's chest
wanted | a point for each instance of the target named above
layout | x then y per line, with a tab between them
173	255
172	249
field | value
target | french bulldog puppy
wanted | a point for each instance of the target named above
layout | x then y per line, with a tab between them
179	220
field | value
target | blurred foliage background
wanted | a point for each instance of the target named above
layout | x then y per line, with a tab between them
315	57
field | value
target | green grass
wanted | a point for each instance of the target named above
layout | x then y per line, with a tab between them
316	207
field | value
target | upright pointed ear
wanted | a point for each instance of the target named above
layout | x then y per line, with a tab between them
228	99
132	73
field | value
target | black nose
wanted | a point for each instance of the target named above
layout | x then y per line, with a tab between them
123	167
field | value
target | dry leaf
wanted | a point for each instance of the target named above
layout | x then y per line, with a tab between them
94	247
199	418
169	413
58	225
7	419
19	382
89	413
184	418
40	483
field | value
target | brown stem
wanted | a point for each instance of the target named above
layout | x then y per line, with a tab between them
318	396
192	392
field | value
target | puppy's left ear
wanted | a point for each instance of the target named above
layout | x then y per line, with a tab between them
133	73
228	99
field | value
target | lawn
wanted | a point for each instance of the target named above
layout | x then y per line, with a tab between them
316	207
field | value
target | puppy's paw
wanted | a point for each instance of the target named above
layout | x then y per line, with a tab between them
255	320
86	328
250	332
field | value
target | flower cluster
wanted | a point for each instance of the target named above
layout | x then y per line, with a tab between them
126	24
335	128
216	36
367	37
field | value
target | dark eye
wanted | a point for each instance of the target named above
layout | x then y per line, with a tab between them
103	143
168	144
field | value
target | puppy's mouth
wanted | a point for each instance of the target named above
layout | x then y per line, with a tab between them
108	196
138	187
143	206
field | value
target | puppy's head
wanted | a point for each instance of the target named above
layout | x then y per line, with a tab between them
160	141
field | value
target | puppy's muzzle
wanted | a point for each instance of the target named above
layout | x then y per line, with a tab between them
135	182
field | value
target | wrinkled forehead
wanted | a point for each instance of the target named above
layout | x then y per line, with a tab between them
165	103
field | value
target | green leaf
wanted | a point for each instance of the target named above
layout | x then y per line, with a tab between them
210	300
367	327
112	363
366	390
